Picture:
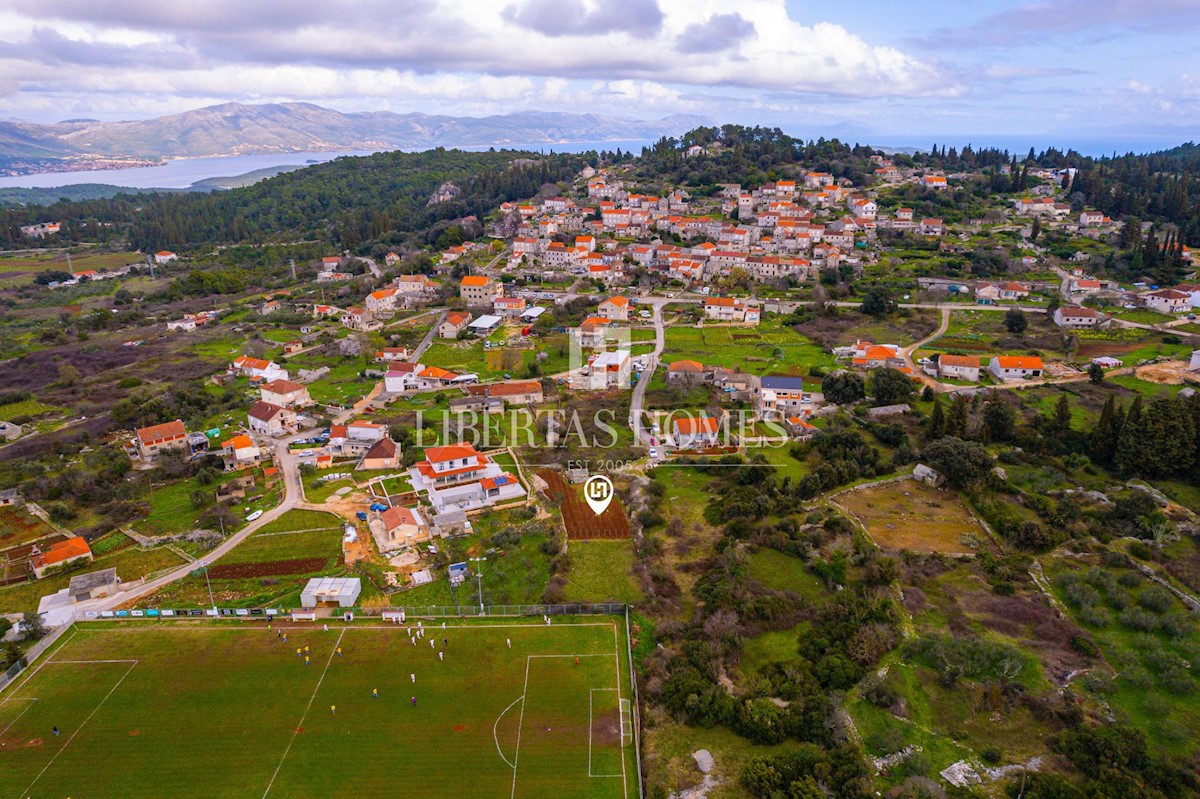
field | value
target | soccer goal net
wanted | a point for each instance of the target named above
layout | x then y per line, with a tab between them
626	722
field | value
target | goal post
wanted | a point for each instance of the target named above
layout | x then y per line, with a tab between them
626	722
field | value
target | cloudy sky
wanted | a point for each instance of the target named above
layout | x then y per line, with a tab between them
884	68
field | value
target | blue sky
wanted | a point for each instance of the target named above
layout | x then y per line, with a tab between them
875	71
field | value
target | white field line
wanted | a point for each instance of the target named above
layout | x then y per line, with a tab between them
495	733
617	665
520	723
591	695
17	688
132	665
153	625
307	707
30	700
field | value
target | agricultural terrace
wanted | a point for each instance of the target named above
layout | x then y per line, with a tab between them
161	710
768	349
909	515
578	517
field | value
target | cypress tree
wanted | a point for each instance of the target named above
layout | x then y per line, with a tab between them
956	420
935	428
1062	417
1104	438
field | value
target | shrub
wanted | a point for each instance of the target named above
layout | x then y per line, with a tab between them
880	693
1139	620
1085	646
1156	599
1095	617
1129	579
1141	550
991	755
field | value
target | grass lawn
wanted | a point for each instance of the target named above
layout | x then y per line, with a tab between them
29	407
782	572
117	693
1142	315
171	509
600	572
768	351
908	515
295	520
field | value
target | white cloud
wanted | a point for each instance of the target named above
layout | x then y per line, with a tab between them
470	52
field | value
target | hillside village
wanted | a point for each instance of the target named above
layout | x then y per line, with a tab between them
395	415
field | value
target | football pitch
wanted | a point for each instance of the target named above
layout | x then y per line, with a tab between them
178	709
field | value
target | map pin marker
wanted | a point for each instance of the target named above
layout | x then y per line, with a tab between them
598	491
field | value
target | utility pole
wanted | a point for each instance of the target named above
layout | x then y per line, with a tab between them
150	263
479	575
211	600
293	265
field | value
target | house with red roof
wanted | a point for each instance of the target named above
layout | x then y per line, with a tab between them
454	323
958	367
240	452
151	441
59	554
269	419
163	257
695	433
1168	301
383	454
615	309
478	291
398	527
1016	367
1076	316
287	393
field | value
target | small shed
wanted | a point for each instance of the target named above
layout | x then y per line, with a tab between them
458	573
928	476
485	324
342	591
93	585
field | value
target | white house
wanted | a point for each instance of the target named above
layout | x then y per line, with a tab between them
1016	367
1168	301
163	257
959	367
285	393
402	377
694	433
271	420
608	370
1076	316
258	368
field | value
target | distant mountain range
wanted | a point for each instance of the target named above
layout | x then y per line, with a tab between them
238	129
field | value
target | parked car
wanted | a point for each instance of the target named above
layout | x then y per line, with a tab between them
653	454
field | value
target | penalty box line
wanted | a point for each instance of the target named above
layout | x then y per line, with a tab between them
591	698
95	710
616	655
16	689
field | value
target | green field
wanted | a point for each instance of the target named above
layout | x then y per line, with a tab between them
164	710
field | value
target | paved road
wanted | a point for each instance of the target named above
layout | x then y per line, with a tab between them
425	342
293	495
639	391
907	352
